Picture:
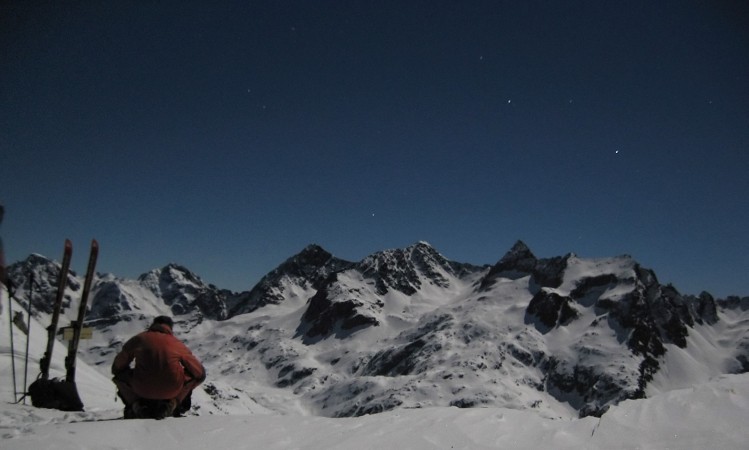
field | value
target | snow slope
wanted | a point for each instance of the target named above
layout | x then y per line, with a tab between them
707	415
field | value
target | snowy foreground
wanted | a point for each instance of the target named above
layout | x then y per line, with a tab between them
707	415
712	415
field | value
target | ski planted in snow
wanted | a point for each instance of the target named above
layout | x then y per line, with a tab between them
78	324
52	330
57	393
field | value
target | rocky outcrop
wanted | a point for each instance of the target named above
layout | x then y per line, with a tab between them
36	278
519	262
551	310
335	310
404	270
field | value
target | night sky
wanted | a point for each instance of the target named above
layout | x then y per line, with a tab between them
228	137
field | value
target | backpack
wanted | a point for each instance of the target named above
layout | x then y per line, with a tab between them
55	394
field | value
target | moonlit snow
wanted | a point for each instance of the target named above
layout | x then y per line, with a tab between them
707	415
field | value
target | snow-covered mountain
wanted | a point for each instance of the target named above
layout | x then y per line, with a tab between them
408	328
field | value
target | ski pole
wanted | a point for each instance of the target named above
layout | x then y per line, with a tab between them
28	335
12	348
4	280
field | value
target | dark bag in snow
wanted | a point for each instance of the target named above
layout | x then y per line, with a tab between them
55	394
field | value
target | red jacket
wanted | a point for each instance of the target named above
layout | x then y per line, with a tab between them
163	364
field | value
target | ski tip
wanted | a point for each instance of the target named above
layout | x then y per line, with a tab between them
68	245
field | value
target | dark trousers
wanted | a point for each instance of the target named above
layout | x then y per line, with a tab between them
128	396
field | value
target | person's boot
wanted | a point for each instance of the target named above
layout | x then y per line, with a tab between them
138	410
164	408
128	412
183	407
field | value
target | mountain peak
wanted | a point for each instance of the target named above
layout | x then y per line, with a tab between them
422	248
404	269
308	268
312	253
520	261
307	262
312	259
422	244
519	251
519	257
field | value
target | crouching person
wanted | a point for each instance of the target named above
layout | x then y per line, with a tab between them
164	374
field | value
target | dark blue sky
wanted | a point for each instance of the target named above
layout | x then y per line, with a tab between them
227	138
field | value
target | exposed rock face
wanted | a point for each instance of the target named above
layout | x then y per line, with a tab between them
337	310
37	277
646	316
185	293
551	309
519	261
346	300
412	357
404	270
704	308
110	302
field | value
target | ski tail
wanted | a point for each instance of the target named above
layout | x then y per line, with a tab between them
78	324
52	330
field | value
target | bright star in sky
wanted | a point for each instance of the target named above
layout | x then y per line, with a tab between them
349	111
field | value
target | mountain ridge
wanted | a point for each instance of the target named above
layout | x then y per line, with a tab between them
411	328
